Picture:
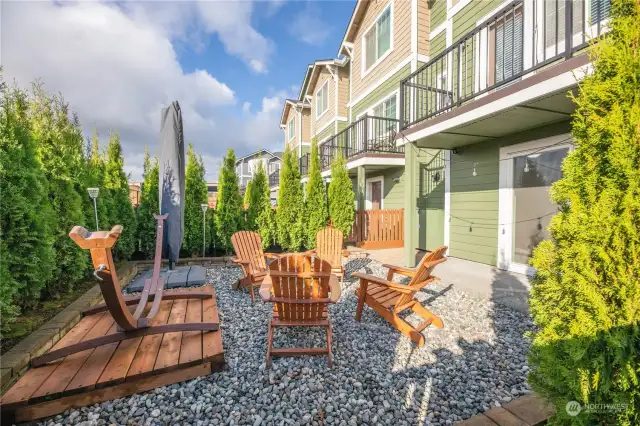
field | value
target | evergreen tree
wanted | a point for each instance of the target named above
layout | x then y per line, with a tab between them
247	195
122	213
95	169
25	235
316	201
59	147
195	195
149	207
290	212
341	196
267	226
212	238
585	299
229	204
259	194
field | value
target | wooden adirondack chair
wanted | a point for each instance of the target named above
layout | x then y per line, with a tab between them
389	298
130	325
329	243
300	287
251	257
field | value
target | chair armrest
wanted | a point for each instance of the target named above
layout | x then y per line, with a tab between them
309	252
272	255
346	253
407	272
240	261
381	281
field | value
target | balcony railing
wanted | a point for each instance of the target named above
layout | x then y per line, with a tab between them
304	164
366	135
522	37
274	178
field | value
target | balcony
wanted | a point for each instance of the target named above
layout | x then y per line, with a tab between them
303	164
368	136
518	53
274	179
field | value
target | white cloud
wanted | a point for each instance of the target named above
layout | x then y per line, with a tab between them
308	26
118	67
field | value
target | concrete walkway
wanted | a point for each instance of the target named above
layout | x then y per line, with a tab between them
481	280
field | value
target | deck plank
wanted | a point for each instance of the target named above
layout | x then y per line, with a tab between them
211	341
145	357
31	381
191	348
69	367
169	352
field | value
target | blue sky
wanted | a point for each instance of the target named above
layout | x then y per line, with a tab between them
229	63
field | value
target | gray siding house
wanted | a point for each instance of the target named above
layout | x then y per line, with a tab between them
246	167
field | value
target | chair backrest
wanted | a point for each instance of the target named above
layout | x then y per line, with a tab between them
300	286
424	270
329	245
248	246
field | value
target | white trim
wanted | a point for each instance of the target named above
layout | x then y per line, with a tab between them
373	86
395	93
452	10
364	72
505	196
335	89
493	11
341	118
375	161
422	58
323	128
555	84
368	202
326	82
447	198
437	30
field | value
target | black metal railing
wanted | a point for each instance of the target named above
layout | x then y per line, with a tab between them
366	135
519	39
304	164
274	178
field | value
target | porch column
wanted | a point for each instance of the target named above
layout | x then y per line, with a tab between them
361	194
410	204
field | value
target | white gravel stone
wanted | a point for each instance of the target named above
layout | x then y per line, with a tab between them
378	375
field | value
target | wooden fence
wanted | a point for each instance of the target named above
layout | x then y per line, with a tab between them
377	229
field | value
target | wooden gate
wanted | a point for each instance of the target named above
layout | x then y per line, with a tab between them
377	229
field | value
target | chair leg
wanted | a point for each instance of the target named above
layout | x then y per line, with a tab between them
427	315
269	344
361	298
329	345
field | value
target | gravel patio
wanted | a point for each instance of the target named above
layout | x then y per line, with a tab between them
476	362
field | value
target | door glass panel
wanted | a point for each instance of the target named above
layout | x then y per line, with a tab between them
533	176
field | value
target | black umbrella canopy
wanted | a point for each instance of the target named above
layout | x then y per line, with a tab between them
172	180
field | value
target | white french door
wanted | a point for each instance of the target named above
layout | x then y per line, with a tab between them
527	171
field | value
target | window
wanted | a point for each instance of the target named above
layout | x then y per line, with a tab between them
505	47
322	100
291	128
377	41
386	108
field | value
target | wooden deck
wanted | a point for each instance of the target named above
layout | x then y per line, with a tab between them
119	369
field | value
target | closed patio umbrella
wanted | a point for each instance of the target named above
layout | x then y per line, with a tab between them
172	180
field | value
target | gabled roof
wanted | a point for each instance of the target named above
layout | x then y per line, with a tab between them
317	66
255	153
354	24
288	103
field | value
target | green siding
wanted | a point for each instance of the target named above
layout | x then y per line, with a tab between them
380	92
438	44
305	149
342	125
474	199
393	197
437	12
465	20
330	130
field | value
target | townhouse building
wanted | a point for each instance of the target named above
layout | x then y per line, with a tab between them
457	111
247	166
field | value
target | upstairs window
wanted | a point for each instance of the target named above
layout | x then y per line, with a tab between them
322	100
377	40
386	109
291	128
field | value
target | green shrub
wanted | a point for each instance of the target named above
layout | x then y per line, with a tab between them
259	195
586	294
290	211
194	196
121	213
316	201
25	233
229	205
341	196
94	178
149	207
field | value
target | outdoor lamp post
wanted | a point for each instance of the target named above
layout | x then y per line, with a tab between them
204	208
93	193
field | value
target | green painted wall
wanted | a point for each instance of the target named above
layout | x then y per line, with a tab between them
437	12
330	130
474	199
465	20
305	149
393	196
438	44
382	91
342	125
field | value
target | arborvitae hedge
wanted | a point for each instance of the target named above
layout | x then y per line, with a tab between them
229	204
341	196
122	210
266	221
94	178
586	291
316	201
258	190
25	236
290	212
195	195
149	207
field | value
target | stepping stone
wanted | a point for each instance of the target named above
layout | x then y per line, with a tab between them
178	277
138	283
197	276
